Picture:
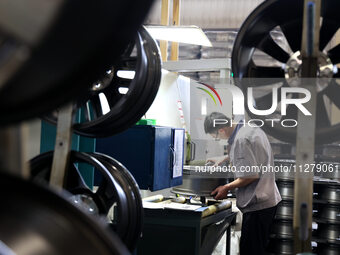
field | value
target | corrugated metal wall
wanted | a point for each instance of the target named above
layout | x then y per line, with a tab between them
208	14
220	20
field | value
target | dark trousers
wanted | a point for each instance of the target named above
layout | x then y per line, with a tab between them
255	231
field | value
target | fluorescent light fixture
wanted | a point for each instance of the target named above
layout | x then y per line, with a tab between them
182	34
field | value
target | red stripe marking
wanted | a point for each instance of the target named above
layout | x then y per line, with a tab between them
213	90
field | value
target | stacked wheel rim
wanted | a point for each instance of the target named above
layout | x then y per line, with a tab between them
255	34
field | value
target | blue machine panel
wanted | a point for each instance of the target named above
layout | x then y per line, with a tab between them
148	153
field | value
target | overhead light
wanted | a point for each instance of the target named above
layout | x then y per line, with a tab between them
182	34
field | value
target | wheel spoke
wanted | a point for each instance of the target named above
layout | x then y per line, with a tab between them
327	31
123	82
129	63
270	47
334	54
96	107
89	111
266	72
103	196
126	64
85	112
101	189
112	95
129	49
266	101
75	180
322	119
262	82
293	34
292	110
333	93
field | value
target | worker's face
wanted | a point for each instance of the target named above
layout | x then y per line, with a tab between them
222	133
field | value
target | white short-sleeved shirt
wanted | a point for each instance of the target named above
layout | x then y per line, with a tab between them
249	152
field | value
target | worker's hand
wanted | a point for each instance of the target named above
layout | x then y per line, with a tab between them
220	192
218	161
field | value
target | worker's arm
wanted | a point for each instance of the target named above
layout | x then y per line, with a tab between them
218	161
244	155
241	182
222	191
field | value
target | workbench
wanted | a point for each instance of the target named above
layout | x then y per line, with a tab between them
170	232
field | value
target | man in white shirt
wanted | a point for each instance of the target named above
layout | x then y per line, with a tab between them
257	195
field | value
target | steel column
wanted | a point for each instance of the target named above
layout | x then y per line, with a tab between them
305	142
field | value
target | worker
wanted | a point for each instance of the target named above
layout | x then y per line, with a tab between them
257	195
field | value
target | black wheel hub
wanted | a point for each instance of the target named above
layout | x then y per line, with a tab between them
285	71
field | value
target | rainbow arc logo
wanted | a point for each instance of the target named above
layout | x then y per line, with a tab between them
209	92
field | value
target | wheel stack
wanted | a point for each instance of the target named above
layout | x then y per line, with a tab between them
105	111
326	208
327	217
282	232
73	54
